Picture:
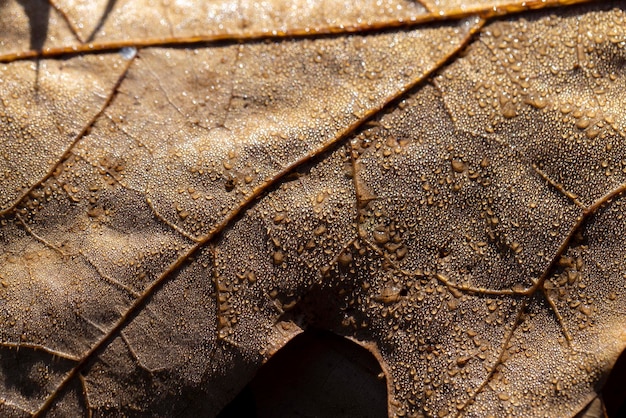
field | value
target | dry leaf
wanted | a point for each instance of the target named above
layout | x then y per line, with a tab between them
186	187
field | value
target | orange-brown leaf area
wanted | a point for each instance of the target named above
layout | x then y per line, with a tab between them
186	186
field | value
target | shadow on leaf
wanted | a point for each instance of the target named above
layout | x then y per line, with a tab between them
316	374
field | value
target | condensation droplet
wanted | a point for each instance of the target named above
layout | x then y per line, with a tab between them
128	53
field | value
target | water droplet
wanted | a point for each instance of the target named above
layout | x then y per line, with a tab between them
345	258
128	53
381	236
278	258
458	166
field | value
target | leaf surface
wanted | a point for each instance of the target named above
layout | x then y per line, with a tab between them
186	188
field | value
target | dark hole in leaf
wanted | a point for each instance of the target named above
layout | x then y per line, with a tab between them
243	405
614	391
317	374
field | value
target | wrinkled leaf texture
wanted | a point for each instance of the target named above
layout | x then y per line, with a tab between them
187	186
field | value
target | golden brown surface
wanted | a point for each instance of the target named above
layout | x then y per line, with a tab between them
185	188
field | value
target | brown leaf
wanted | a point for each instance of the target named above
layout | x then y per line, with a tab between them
187	187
